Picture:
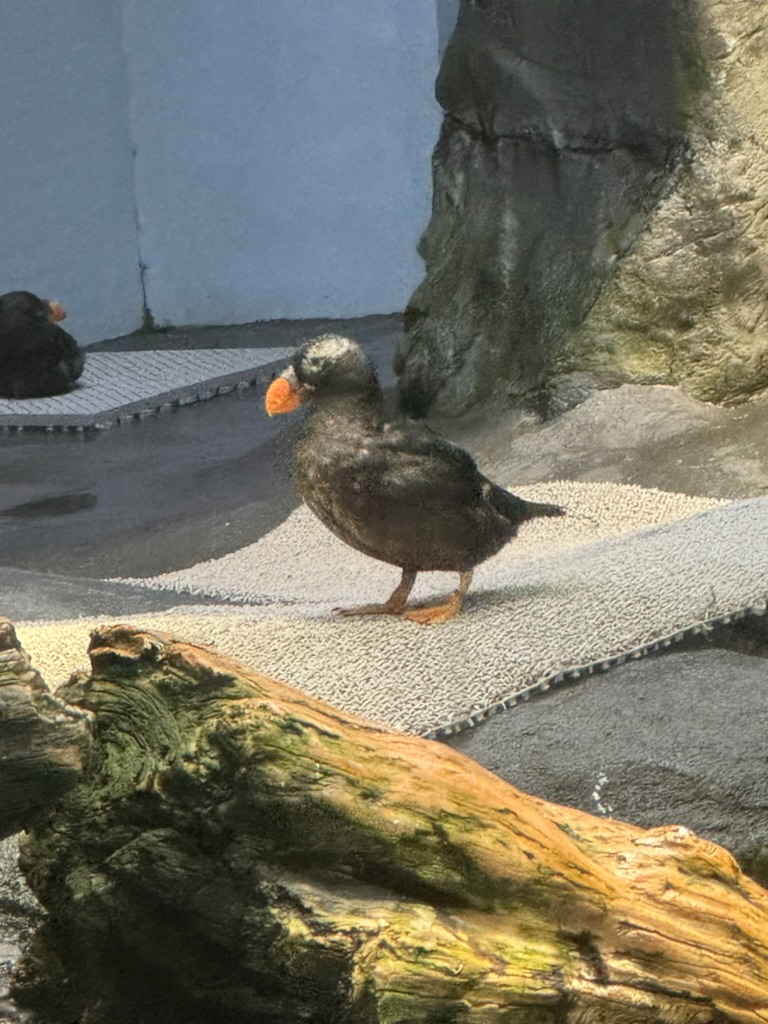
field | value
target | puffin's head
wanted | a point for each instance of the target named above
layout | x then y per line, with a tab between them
21	306
330	366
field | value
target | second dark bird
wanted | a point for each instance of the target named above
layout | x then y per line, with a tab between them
37	357
395	491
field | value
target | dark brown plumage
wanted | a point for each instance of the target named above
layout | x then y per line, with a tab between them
395	491
37	357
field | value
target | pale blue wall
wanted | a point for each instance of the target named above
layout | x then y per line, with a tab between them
280	167
66	180
283	154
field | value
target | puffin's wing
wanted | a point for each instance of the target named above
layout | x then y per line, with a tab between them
409	498
412	466
405	496
417	468
64	343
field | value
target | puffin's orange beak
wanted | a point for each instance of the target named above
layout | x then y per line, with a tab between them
281	397
56	311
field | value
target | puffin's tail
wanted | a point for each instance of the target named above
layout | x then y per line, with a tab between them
534	509
518	510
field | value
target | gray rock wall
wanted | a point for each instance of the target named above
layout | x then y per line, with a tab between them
688	304
596	201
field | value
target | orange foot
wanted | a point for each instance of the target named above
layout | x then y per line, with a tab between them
436	614
395	603
369	609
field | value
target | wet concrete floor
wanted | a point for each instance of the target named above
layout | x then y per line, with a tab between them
168	491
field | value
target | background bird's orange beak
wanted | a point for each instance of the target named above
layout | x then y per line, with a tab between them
281	397
57	311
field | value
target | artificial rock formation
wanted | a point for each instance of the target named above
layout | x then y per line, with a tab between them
600	188
237	851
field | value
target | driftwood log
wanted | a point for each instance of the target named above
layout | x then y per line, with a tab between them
232	850
43	742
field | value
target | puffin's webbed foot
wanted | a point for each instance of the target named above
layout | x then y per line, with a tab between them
368	609
424	615
437	614
395	603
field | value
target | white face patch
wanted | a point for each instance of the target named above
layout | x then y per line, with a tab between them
328	349
335	363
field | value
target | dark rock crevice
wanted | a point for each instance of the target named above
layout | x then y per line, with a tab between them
511	271
674	150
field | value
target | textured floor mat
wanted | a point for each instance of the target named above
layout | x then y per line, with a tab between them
555	605
118	386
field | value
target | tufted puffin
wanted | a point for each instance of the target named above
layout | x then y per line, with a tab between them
37	357
395	491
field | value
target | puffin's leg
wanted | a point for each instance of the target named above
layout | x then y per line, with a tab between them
437	613
395	603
